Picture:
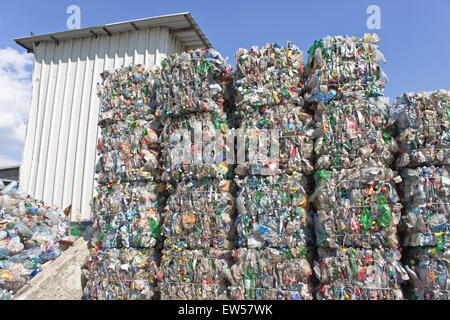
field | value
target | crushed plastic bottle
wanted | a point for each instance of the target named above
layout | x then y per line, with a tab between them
120	274
194	274
425	196
422	122
357	208
359	274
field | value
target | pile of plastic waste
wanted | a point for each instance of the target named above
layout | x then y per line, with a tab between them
270	274
31	234
194	274
423	128
360	274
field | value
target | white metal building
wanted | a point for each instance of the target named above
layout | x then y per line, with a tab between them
59	155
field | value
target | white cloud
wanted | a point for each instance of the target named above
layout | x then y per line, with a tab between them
5	161
15	95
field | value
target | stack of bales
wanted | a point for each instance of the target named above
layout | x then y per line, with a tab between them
198	218
273	218
423	135
357	206
129	190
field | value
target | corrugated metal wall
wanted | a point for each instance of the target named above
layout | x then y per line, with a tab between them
60	147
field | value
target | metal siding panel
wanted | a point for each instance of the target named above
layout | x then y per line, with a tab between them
74	127
91	139
27	154
49	177
61	158
43	90
153	39
112	49
88	56
47	124
162	45
121	50
141	43
131	48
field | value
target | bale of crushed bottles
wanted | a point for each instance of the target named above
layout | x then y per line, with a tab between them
425	194
200	214
359	274
127	92
356	207
423	128
344	67
127	213
195	146
194	274
268	76
31	234
191	82
270	274
429	271
120	274
273	211
128	146
128	151
286	133
353	133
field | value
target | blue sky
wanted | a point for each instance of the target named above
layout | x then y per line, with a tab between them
414	33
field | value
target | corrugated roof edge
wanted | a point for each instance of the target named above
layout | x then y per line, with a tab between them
171	21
